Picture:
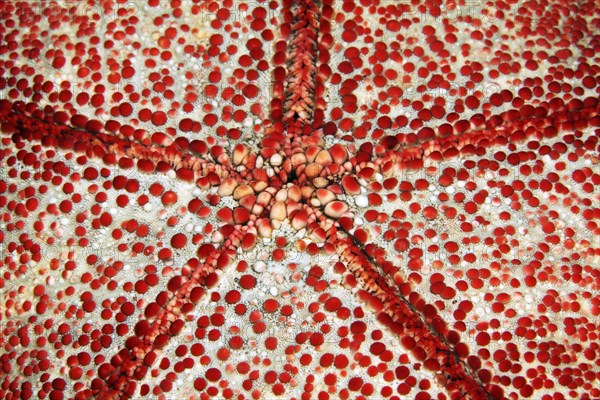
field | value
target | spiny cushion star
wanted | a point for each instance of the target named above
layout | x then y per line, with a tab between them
318	199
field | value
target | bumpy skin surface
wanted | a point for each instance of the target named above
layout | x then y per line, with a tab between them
321	199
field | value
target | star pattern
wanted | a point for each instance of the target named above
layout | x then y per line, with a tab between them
322	199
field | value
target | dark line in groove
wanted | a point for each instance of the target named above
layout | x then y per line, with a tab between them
431	329
505	129
151	346
109	139
301	64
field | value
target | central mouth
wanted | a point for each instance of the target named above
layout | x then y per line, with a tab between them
292	177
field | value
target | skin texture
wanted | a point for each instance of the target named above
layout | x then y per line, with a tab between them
280	200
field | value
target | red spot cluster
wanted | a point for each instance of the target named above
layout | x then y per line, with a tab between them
435	192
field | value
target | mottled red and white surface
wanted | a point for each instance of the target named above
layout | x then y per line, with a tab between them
276	199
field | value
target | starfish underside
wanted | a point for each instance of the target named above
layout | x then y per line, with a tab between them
320	199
